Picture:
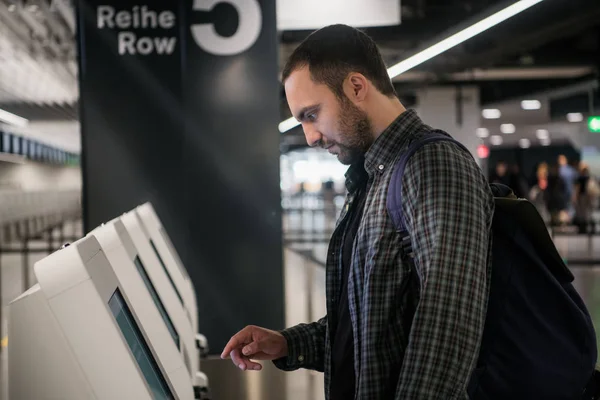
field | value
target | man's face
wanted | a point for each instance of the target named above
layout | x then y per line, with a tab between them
328	122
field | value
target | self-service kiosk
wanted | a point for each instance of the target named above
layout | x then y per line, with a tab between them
93	327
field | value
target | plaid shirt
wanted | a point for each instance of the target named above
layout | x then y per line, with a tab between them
414	338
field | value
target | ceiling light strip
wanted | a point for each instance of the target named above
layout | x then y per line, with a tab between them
12	119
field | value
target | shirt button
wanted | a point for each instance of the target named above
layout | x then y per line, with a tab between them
300	358
381	167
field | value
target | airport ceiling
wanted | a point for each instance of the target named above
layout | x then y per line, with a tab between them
553	44
38	68
554	33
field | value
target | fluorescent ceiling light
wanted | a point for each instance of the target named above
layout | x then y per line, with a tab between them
524	143
12	119
491	113
575	117
482	133
508	129
496	140
446	44
531	105
542	134
545	142
461	36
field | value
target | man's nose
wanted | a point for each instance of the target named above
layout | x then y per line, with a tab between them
313	136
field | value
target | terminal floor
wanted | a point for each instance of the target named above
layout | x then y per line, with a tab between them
303	302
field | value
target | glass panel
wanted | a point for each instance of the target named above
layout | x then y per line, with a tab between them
157	301
139	348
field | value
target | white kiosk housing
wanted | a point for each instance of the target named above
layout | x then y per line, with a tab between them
171	294
90	329
178	277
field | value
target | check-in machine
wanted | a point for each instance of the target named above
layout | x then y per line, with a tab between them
156	233
171	288
93	327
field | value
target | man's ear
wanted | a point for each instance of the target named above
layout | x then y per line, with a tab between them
356	87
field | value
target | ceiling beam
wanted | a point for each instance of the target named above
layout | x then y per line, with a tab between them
498	74
522	43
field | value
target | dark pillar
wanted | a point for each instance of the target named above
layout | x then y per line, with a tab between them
179	106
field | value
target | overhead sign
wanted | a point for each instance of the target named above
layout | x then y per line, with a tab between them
168	90
249	26
315	14
594	124
143	30
139	17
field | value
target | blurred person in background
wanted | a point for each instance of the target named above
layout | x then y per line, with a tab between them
328	192
585	199
329	202
556	197
500	174
517	182
568	174
537	194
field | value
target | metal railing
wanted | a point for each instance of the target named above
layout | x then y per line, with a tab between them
17	205
309	219
562	236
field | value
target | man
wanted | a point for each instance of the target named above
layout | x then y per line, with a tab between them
391	331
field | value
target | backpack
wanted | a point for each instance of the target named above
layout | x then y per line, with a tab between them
538	340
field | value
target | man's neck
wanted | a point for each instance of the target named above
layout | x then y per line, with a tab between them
384	114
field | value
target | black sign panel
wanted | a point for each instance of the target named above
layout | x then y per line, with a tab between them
179	106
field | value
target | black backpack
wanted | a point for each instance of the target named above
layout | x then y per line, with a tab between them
538	341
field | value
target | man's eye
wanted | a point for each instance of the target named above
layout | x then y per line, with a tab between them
311	117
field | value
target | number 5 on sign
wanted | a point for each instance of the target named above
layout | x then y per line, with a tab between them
249	27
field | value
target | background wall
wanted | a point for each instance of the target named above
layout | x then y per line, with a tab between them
36	176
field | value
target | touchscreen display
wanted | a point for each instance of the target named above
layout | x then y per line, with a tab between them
139	348
156	299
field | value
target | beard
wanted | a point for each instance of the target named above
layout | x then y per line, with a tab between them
356	132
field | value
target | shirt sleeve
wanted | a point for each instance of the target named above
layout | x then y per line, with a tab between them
306	347
448	207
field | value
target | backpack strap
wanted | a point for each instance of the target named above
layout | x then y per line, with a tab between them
394	198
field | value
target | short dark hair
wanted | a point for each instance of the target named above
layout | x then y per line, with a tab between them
331	53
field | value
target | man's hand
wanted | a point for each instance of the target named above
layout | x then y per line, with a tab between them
255	343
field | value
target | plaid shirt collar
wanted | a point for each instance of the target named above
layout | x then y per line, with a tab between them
384	150
356	176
